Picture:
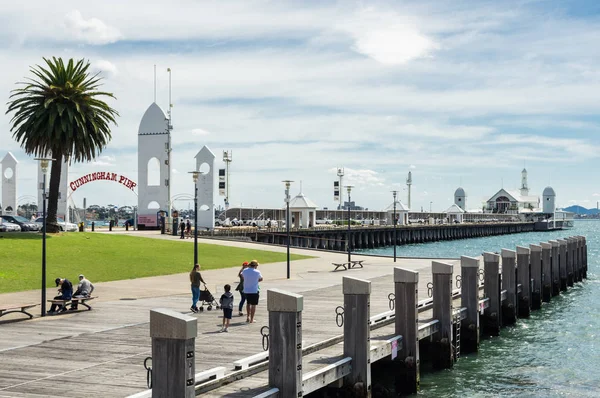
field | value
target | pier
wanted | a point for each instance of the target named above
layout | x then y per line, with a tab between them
432	317
370	237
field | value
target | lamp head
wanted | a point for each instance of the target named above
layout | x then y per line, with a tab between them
195	175
44	162
287	183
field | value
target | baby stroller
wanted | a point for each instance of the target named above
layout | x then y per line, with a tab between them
206	298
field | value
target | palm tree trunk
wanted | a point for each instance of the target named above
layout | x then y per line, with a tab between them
51	222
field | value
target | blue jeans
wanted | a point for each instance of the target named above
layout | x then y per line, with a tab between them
242	301
195	295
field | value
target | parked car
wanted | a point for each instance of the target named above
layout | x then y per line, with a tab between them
8	227
25	224
64	226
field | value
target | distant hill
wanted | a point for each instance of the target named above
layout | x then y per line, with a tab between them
580	210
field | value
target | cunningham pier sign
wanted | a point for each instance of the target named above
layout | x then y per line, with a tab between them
102	176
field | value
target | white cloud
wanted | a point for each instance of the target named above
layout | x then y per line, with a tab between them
90	31
104	160
200	132
596	195
107	68
412	166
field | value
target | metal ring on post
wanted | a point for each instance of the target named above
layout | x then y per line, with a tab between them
265	337
481	275
392	301
430	289
458	281
148	372
339	316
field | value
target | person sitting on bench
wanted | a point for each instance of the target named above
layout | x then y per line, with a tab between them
66	293
84	289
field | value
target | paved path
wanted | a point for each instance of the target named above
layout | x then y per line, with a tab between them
104	349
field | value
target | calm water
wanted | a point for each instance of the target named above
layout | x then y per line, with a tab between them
555	353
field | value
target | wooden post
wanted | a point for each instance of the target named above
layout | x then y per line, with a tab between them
585	264
509	283
406	290
285	341
357	341
562	264
442	355
555	260
493	314
535	258
546	271
570	274
469	299
525	281
578	261
173	353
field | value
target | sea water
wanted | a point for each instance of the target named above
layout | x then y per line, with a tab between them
554	353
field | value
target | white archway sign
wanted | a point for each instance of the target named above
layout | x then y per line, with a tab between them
205	162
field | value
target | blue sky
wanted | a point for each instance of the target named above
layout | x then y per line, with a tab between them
460	93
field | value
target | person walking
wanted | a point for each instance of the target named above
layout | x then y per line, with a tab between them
240	288
251	277
182	228
226	302
188	226
195	279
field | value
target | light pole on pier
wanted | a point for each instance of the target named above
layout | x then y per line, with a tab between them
195	175
44	165
349	189
394	193
287	183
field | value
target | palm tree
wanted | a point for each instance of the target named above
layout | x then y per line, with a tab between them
59	113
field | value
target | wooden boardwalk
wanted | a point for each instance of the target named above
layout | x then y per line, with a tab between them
104	349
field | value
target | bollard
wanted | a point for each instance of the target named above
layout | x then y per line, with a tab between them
492	315
93	225
555	261
562	264
535	259
469	299
110	225
285	342
546	271
357	341
406	290
524	278
509	283
442	351
173	353
126	225
570	275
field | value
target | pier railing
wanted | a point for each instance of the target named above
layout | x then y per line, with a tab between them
514	283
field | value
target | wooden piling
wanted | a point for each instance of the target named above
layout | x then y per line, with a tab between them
585	264
406	290
357	341
555	260
492	316
578	262
535	259
570	262
546	271
469	299
285	341
562	264
524	274
509	283
442	352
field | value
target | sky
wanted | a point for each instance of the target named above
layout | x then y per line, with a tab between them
462	93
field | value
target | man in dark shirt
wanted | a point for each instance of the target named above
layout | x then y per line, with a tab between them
182	228
66	293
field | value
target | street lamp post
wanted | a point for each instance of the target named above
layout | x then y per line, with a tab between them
349	189
394	193
44	165
430	208
195	175
287	221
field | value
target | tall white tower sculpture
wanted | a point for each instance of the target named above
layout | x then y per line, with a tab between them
205	163
524	186
9	184
63	190
549	199
460	198
154	141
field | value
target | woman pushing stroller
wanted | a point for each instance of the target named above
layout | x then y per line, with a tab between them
195	279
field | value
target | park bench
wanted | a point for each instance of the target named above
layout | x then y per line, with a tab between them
341	265
356	263
9	309
74	300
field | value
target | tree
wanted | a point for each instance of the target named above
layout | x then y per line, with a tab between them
59	113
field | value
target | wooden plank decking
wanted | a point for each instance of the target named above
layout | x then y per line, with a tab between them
104	349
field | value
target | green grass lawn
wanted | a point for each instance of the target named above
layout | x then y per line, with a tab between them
103	257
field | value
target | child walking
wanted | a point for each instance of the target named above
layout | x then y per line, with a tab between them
226	302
